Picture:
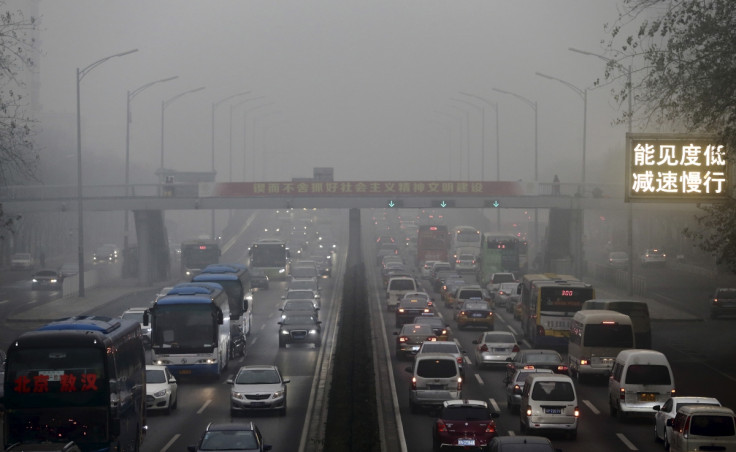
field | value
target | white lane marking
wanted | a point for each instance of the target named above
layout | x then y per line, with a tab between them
3	301
480	380
263	325
171	442
626	441
512	329
467	360
204	406
512	433
494	404
253	341
591	406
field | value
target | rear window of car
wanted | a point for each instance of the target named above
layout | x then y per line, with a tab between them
500	278
477	306
499	337
470	294
648	374
465	413
553	391
440	348
712	425
543	358
436	368
402	284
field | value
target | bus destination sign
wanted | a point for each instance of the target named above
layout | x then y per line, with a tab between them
676	168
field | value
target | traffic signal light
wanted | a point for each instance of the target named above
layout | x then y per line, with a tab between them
395	203
492	203
443	203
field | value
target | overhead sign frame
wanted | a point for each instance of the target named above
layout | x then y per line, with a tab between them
686	168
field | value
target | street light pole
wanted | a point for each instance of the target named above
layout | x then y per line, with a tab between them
533	106
494	106
164	105
80	204
482	136
245	129
630	216
467	142
128	121
583	93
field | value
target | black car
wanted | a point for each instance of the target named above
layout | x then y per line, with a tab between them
259	279
536	359
47	279
300	329
240	436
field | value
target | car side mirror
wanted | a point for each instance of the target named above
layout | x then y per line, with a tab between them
230	381
656	407
287	381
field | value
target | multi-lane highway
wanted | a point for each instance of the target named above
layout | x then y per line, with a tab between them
700	351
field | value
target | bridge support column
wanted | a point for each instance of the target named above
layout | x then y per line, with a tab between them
153	246
354	249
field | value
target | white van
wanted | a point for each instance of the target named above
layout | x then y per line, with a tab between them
703	427
640	379
596	338
396	288
549	402
436	377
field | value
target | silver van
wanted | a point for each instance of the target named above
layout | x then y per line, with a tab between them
436	377
549	402
703	427
637	310
640	379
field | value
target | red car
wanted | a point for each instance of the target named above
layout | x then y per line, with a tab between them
465	424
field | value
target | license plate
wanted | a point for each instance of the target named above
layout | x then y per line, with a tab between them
415	348
436	387
553	410
647	397
257	403
500	350
465	442
477	314
185	372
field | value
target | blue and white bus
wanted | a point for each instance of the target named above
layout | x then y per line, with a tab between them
80	380
235	279
190	330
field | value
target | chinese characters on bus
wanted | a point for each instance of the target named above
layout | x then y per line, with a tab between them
66	383
677	169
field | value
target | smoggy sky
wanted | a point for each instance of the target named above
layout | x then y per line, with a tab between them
364	86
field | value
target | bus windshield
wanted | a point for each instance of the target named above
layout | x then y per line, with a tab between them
188	328
268	256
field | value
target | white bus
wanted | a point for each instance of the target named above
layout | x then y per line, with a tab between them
596	338
190	330
464	237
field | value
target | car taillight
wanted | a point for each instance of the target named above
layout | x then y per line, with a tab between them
622	393
460	360
517	389
403	338
540	330
427	310
460	383
584	362
414	383
401	310
529	410
561	368
576	413
484	348
672	393
515	349
457	261
432	338
461	313
441	427
444	333
491	427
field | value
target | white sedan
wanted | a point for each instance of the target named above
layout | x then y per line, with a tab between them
495	347
668	411
161	389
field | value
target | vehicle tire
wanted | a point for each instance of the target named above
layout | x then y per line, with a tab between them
168	407
621	414
282	410
666	443
176	403
656	437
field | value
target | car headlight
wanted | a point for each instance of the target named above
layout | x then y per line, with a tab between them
160	393
284	332
237	395
313	331
278	394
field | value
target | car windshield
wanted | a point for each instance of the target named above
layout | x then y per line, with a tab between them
300	294
298	305
436	368
648	374
465	413
297	319
155	376
134	316
543	358
258	377
476	306
553	391
503	277
229	440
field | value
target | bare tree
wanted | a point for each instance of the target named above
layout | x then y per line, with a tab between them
684	52
17	156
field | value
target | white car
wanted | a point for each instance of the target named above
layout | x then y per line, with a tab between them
495	347
653	257
258	387
161	389
663	432
136	315
21	261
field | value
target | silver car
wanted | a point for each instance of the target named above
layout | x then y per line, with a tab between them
495	347
515	386
258	387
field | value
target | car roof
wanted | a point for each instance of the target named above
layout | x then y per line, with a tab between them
230	426
258	367
464	402
706	409
135	310
520	439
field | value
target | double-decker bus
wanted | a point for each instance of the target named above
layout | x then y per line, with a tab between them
197	254
500	253
548	304
271	256
81	380
235	279
190	329
465	237
433	243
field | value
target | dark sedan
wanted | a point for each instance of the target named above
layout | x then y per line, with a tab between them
300	329
536	359
46	280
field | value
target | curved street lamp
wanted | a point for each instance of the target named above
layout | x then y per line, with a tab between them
164	105
81	73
